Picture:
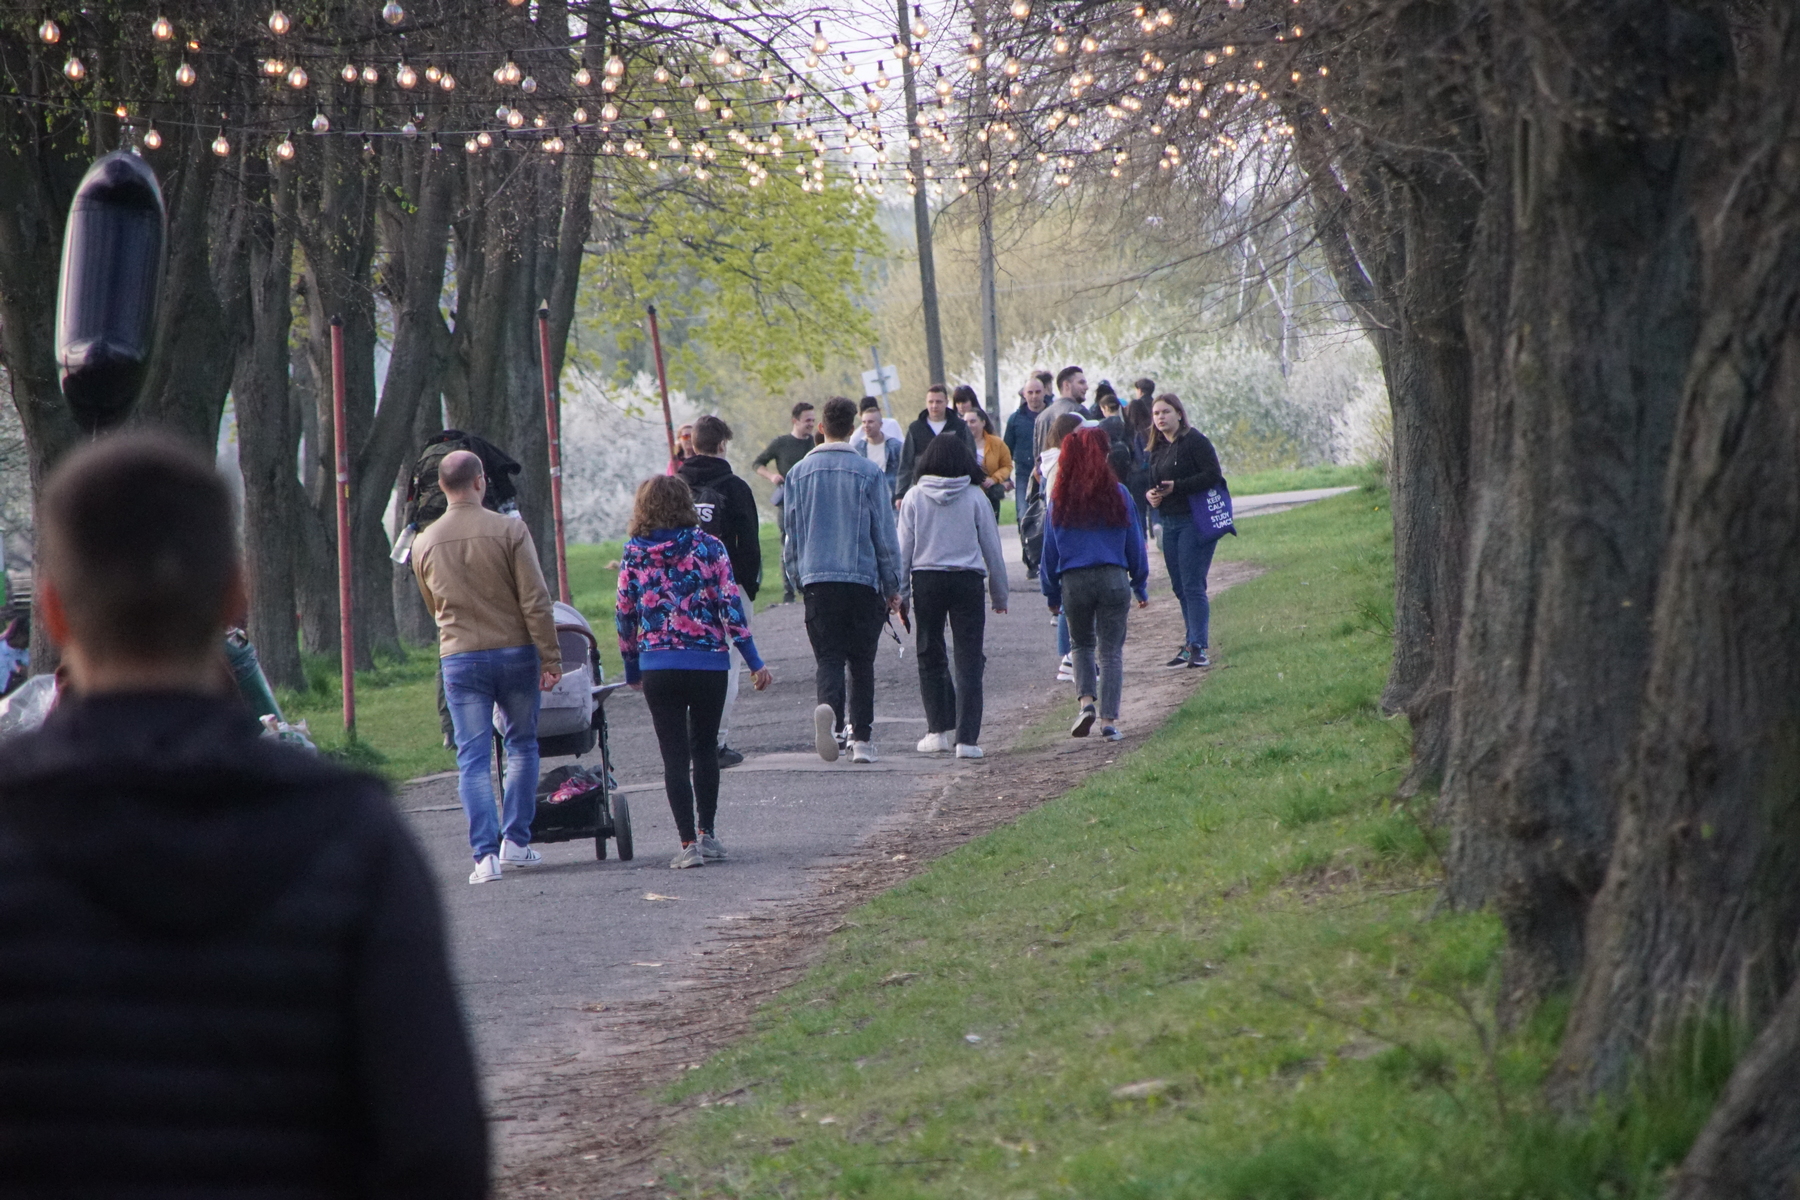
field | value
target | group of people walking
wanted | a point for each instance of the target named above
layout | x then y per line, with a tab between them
879	524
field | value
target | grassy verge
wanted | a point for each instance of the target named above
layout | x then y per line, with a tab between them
1293	479
1214	970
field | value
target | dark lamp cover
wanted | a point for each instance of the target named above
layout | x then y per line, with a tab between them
106	298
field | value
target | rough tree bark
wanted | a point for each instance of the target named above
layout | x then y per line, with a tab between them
1582	319
1698	916
268	430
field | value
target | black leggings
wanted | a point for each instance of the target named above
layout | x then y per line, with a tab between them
685	707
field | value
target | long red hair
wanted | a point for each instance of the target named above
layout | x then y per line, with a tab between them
1086	495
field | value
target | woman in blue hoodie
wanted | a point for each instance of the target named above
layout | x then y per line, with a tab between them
950	551
678	613
1093	562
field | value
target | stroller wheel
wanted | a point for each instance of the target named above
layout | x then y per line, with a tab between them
621	827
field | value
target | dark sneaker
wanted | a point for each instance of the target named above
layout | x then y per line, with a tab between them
1084	721
1199	660
1180	659
729	757
1111	733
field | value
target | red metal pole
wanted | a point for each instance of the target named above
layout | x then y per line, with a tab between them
662	380
553	426
346	613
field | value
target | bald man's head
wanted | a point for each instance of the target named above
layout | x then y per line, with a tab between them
460	474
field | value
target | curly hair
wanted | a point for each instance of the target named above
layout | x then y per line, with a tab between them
1086	495
662	502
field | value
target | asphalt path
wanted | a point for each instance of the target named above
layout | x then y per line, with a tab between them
540	949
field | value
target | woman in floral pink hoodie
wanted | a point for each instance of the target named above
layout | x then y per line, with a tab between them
678	614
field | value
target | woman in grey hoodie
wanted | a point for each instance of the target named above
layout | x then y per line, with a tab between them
950	543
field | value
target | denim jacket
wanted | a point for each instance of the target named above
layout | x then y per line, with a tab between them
839	522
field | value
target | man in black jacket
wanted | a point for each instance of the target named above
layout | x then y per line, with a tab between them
222	969
727	509
936	419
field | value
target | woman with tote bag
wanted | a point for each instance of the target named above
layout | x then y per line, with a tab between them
1194	509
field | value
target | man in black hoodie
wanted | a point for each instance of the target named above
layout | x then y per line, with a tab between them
222	969
727	509
935	419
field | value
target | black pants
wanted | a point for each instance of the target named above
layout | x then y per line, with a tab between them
685	707
959	598
844	623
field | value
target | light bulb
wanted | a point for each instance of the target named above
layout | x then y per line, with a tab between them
661	74
702	104
433	73
410	130
406	77
579	116
471	146
657	114
881	75
943	85
725	113
152	139
284	150
583	77
484	139
1089	45
278	25
392	13
1011	66
501	113
49	32
609	84
819	44
448	82
919	28
514	118
1020	9
297	78
849	68
615	66
74	70
1060	44
161	30
720	55
348	74
609	111
370	74
220	146
321	123
528	85
539	121
273	66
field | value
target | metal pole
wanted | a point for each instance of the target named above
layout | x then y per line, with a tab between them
346	608
915	157
662	380
553	427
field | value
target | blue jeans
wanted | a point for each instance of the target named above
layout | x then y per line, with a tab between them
1189	557
475	683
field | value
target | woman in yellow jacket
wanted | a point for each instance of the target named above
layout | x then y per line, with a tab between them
991	453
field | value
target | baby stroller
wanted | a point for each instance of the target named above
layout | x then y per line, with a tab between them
575	801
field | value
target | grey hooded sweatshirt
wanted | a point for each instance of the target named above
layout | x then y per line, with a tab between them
947	525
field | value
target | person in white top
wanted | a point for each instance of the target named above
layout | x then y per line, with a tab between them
873	441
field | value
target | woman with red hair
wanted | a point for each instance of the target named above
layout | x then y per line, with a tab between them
1093	562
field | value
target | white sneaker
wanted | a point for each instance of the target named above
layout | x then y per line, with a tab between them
862	752
1065	670
935	743
514	855
690	856
964	750
825	732
711	848
486	870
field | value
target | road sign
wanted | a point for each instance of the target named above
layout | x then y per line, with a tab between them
882	382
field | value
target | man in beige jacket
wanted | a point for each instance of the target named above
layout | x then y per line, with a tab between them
479	574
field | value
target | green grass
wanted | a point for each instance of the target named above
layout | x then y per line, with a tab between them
1213	970
1293	479
396	704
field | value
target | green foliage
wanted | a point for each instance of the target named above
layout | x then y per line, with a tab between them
760	281
1214	970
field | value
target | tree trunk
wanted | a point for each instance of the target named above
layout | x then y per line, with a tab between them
1750	1147
1583	320
267	430
1697	917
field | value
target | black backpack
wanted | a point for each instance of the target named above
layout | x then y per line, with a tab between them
425	501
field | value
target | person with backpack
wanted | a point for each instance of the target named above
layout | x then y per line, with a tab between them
949	549
1094	562
727	510
1185	467
1035	529
678	613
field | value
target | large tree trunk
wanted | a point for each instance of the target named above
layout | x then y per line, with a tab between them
1582	316
1698	916
1750	1147
268	433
